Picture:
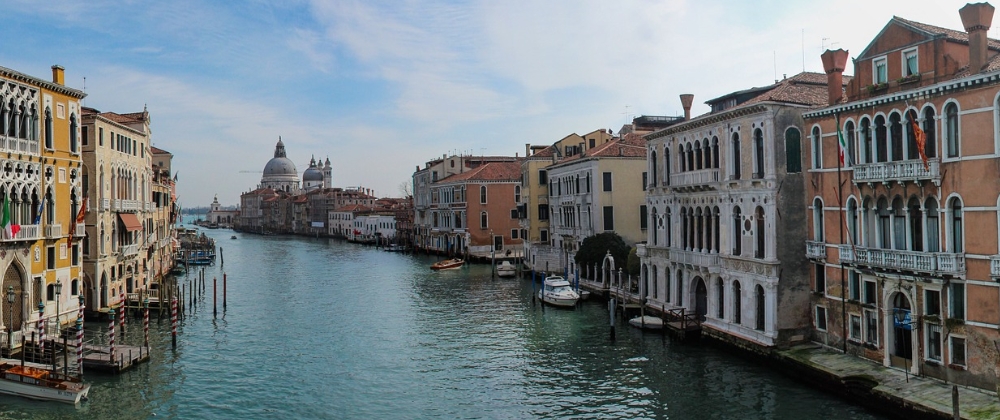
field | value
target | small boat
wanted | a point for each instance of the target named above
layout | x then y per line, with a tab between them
557	291
448	264
584	295
647	322
41	384
506	269
233	237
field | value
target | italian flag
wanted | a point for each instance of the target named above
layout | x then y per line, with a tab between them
843	145
9	228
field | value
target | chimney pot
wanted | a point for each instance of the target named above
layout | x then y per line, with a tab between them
686	100
58	74
834	62
977	18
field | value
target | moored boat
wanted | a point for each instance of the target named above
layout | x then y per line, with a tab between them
647	322
448	264
40	384
557	291
506	269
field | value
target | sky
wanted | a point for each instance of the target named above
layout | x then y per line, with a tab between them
382	87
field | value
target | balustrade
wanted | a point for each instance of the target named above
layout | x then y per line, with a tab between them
694	179
53	231
815	249
895	259
903	170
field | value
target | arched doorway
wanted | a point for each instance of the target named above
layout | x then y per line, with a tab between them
700	298
15	313
902	331
103	292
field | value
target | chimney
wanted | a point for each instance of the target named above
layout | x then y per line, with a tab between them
527	149
59	78
686	99
834	62
977	17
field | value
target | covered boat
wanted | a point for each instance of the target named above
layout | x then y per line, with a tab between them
647	322
448	264
41	384
506	269
557	291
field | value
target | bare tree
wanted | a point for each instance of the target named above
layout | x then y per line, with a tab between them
405	189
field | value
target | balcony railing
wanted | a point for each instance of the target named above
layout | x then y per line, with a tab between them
700	259
81	229
903	170
53	231
105	204
27	233
700	179
995	266
19	146
129	250
894	259
815	250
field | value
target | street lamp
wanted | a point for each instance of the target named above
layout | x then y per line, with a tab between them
10	317
58	293
901	318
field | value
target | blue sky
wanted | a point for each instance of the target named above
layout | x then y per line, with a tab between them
380	87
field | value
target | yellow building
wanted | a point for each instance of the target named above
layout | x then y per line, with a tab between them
41	179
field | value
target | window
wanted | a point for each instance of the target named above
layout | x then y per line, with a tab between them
758	147
74	287
881	141
930	133
817	148
50	258
609	218
866	141
735	171
932	302
483	220
645	180
514	234
793	151
821	278
543	212
896	136
100	136
482	194
951	129
607	181
737	231
818	220
871	293
85	135
957	243
956	301
72	133
513	213
643	218
871	327
48	128
880	73
543	177
721	298
517	193
957	351
544	235
821	318
737	303
933	344
910	67
761	308
50	292
855	327
854	285
933	233
759	233
849	138
852	220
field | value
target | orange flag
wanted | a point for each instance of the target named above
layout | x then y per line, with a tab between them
921	140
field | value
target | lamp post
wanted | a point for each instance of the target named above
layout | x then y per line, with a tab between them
58	294
902	319
10	318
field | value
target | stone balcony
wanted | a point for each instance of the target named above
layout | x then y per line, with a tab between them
694	258
19	146
936	263
816	250
899	171
995	266
81	229
129	250
700	180
53	231
27	233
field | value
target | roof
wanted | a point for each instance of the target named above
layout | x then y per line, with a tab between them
631	146
157	151
491	171
352	208
806	88
44	84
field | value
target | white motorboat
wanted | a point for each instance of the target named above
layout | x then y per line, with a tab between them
506	269
40	384
557	291
647	322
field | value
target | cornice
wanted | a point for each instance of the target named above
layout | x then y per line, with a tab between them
31	80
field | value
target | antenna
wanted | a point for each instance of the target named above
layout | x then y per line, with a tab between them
775	57
803	50
626	114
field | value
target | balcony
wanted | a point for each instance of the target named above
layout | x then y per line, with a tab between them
105	204
694	258
995	266
899	171
53	231
816	250
700	180
129	250
19	146
936	263
81	230
27	233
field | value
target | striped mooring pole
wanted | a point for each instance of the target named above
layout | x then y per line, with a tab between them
79	339
41	328
145	322
121	314
173	321
111	333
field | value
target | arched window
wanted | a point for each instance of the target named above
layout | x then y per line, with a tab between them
930	133
896	137
793	151
760	308
699	235
881	140
898	224
684	228
818	225
669	228
852	220
715	152
666	165
737	303
758	146
680	158
911	138
867	223
690	158
866	141
951	129
482	194
48	128
916	224
817	148
656	228
720	290
933	225
737	162
850	138
884	224
707	152
652	167
737	231
483	220
715	221
759	233
72	133
957	243
697	155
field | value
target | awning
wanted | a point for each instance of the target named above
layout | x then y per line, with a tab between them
130	221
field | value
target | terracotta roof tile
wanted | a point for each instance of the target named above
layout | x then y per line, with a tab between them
950	34
492	171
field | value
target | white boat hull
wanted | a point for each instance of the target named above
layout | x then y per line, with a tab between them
647	322
558	300
37	392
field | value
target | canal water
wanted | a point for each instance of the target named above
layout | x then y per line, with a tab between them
318	328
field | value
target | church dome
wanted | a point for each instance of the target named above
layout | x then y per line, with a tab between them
280	165
313	173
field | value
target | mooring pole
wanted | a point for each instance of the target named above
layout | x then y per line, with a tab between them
145	323
224	292
611	317
111	334
173	321
215	307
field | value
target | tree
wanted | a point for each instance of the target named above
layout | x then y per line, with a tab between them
406	188
594	248
633	265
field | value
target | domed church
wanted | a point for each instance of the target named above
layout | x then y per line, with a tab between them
280	173
317	175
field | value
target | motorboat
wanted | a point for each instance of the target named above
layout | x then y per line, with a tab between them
233	237
448	264
506	269
647	322
557	291
41	384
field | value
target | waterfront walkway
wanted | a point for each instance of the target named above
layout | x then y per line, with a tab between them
922	395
